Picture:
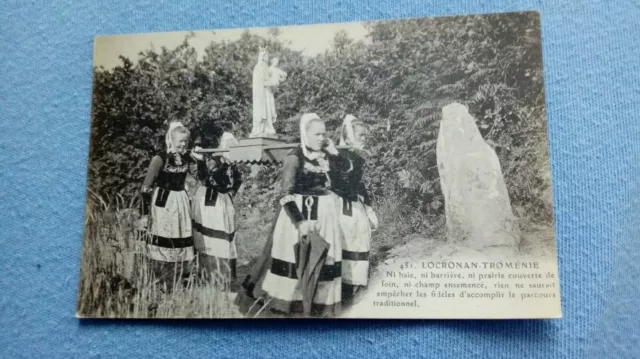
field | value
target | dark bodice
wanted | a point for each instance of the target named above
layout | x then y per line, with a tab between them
348	184
168	171
223	178
307	177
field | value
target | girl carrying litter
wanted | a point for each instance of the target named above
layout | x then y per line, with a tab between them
214	216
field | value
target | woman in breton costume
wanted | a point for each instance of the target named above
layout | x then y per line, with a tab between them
356	216
306	203
214	216
166	206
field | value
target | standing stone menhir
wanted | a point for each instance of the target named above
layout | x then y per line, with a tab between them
477	205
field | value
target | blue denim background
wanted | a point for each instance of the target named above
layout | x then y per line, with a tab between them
592	72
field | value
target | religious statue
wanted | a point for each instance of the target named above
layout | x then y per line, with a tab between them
265	80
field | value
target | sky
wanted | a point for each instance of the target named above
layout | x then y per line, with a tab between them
310	39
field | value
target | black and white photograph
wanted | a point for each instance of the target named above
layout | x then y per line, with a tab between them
382	169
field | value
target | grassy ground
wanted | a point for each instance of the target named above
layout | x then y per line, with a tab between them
116	282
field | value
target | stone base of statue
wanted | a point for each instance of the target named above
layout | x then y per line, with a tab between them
260	150
263	135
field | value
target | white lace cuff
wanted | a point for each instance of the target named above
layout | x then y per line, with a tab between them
286	199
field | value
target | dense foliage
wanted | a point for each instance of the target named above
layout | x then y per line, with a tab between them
397	81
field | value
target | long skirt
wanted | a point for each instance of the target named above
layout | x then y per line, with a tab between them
169	246
281	284
214	226
356	246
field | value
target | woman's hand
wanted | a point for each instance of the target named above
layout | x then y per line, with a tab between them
373	218
142	223
195	155
331	147
303	227
306	226
224	160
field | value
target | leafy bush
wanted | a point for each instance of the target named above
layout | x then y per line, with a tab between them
397	82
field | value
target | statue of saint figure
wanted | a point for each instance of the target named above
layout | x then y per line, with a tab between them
265	80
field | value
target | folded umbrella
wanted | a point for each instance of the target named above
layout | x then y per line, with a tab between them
311	253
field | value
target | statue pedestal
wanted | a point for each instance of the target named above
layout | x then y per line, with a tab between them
260	150
263	135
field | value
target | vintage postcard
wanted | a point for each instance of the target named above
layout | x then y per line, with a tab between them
389	169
